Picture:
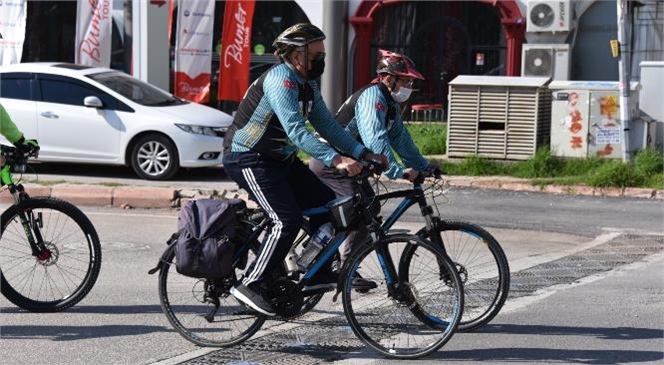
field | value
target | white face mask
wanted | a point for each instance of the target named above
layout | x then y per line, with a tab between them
402	95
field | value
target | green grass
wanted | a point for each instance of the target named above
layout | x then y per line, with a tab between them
646	169
543	168
429	137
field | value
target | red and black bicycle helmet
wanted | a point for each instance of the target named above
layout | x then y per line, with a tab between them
298	35
396	64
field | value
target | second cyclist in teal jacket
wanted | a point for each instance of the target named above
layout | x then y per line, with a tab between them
373	116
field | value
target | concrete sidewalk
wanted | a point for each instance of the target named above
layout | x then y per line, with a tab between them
173	197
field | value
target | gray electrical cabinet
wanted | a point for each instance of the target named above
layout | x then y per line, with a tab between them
585	119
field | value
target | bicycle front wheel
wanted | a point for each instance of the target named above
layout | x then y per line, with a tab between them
67	267
402	318
202	310
481	264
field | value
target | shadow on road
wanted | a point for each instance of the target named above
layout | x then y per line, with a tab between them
605	333
100	309
73	333
545	355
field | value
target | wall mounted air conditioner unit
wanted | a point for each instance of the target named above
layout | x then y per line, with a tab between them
546	60
549	16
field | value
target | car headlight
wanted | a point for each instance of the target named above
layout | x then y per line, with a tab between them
200	129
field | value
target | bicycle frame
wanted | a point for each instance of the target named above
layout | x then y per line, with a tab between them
410	198
376	231
384	257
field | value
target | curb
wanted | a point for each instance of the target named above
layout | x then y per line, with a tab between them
160	197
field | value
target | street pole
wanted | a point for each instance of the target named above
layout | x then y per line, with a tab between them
335	27
624	74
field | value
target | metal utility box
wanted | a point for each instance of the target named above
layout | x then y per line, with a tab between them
500	117
585	118
650	101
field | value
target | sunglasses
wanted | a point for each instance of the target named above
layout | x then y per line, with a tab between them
405	82
314	57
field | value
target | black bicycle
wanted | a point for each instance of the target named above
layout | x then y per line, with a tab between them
477	255
403	319
50	256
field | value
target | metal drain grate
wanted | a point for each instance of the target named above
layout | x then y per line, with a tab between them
331	339
622	250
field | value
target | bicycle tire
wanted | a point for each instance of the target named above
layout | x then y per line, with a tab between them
483	268
66	277
182	301
394	327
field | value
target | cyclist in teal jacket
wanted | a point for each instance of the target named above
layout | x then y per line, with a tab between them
373	116
260	154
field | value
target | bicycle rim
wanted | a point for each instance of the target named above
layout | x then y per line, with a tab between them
394	327
483	269
65	272
183	301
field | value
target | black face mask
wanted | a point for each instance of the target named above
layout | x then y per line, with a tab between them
317	67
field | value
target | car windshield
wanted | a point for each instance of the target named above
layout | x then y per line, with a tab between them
136	90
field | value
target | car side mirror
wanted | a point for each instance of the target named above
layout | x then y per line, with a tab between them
93	102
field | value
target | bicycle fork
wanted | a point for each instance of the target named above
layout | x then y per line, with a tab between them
396	289
32	225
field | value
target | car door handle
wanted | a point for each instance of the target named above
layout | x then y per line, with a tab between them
49	115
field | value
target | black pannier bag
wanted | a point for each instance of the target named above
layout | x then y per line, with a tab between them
205	228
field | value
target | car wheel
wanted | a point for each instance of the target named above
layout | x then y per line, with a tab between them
154	157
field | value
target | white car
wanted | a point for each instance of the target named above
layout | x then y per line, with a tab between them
91	115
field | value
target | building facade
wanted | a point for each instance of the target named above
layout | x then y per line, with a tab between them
444	38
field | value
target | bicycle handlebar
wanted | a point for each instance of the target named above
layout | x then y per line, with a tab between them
369	168
17	156
431	171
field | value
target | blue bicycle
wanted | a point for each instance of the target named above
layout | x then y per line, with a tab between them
478	257
398	318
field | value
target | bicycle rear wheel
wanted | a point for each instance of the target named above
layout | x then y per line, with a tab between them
392	323
202	310
66	269
482	265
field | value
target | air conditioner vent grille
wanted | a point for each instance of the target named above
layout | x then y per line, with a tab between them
497	122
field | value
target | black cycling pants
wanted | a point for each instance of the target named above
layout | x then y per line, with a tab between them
283	190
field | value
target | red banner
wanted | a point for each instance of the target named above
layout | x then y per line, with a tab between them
235	54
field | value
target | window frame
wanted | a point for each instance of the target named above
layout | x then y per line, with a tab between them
21	76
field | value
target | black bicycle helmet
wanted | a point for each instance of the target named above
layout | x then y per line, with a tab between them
396	64
298	35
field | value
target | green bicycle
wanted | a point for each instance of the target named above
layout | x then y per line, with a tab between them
50	255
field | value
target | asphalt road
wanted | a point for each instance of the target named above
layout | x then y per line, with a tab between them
612	317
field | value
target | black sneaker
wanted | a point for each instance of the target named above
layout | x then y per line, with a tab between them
363	285
359	283
253	299
324	279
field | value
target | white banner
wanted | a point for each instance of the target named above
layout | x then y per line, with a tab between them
193	49
13	14
93	32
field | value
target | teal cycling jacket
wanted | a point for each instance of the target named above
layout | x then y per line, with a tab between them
373	117
271	120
